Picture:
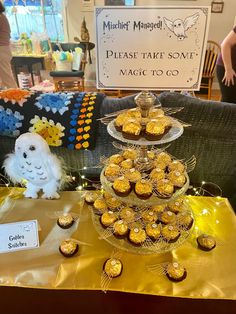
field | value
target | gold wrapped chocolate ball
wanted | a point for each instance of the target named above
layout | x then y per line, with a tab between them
120	228
167	217
137	236
100	205
113	267
175	272
108	218
127	214
153	231
177	178
170	233
68	248
206	242
65	221
121	186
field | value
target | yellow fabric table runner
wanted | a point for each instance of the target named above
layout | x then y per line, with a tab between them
209	274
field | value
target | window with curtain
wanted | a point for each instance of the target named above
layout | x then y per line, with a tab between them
27	16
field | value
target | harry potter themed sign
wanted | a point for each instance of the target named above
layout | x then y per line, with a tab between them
152	48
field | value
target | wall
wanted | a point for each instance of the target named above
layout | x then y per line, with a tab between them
220	23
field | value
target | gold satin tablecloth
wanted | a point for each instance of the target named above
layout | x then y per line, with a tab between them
210	275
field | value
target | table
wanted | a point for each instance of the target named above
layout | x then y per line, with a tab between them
28	61
211	275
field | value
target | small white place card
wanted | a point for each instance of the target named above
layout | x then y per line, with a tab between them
22	235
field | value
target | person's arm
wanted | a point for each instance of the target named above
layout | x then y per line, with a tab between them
228	42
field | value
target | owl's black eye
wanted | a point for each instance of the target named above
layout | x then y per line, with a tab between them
32	147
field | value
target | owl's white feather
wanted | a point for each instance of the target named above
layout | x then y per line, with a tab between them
33	161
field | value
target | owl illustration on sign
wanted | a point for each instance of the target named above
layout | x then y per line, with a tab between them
32	161
179	27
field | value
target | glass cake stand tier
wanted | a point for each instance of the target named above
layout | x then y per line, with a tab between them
148	247
132	198
175	131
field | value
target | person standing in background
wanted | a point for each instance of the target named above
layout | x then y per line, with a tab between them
6	77
226	68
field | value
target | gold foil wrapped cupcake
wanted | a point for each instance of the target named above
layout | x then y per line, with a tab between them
108	218
143	189
153	231
157	174
176	165
65	221
130	154
90	197
112	171
175	272
167	217
165	188
113	203
177	178
133	175
120	120
164	157
127	214
100	205
184	220
132	129
137	235
116	159
113	267
127	164
177	205
121	186
149	216
206	242
170	233
68	248
155	113
120	228
154	130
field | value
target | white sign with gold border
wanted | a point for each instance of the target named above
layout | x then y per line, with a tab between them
151	48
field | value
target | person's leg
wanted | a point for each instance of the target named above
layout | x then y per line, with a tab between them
228	94
6	75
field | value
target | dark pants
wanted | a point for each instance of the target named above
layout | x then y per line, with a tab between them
228	93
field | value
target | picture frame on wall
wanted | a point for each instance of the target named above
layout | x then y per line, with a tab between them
119	2
217	6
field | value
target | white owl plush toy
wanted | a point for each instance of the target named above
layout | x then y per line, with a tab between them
33	161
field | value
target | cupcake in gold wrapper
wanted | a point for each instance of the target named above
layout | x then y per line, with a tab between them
206	242
121	186
176	165
153	231
132	129
184	220
175	272
127	214
137	236
68	248
127	164
165	188
112	171
170	233
143	189
113	203
155	113
108	218
164	157
116	159
130	154
65	221
177	205
167	217
120	120
177	178
113	267
149	216
100	205
157	174
120	228
154	130
133	176
90	197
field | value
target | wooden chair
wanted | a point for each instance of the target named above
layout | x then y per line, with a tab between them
208	74
71	80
